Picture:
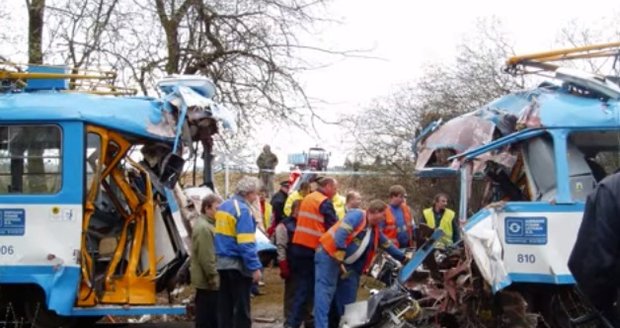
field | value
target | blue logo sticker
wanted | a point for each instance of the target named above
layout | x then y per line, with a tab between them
12	222
526	230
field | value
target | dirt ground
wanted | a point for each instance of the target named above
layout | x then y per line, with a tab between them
269	305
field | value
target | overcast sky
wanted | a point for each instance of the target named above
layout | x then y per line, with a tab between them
408	34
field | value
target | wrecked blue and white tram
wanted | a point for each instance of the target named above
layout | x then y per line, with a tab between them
540	153
92	220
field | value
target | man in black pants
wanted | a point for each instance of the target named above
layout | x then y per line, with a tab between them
237	259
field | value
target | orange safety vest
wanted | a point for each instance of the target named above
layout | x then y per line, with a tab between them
329	243
391	230
310	221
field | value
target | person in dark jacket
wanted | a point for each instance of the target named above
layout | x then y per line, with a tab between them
595	258
283	237
277	205
267	162
316	215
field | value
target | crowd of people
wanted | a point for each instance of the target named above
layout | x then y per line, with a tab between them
324	245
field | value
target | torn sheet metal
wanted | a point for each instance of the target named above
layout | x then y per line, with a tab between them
192	108
504	159
481	235
200	106
454	137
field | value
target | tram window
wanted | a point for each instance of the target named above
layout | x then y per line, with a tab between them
596	154
30	159
539	161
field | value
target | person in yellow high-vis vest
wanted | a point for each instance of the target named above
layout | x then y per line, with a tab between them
304	189
439	216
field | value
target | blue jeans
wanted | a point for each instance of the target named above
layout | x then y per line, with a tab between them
346	292
326	282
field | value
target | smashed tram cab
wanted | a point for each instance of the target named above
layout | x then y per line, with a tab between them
538	154
89	222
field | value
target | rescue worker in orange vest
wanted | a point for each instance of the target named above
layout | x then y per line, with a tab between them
439	216
398	224
348	247
316	215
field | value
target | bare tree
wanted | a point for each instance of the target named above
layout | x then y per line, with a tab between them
81	28
579	33
36	9
250	48
387	127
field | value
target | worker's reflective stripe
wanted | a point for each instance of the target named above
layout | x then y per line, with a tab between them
346	226
237	209
309	231
361	249
225	224
310	223
245	238
311	216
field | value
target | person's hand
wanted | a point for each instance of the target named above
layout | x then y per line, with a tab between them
285	272
256	276
407	258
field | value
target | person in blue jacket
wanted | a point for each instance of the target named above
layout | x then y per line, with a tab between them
347	246
238	264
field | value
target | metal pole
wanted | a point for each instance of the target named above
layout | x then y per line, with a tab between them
464	172
226	176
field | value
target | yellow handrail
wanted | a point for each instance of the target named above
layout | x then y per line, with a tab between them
16	72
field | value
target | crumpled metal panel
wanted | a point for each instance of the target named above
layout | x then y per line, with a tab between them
140	116
454	137
199	104
530	116
504	158
483	241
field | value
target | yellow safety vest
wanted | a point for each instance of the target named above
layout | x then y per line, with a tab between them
267	211
445	224
339	202
288	205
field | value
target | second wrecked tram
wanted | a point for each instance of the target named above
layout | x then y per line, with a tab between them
92	220
538	154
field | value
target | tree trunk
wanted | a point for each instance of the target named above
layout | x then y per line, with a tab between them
35	30
36	182
174	49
